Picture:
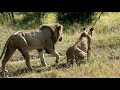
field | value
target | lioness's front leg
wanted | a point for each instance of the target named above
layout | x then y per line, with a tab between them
42	58
88	54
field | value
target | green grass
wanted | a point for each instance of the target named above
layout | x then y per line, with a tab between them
105	57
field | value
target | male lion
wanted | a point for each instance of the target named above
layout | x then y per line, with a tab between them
81	48
40	39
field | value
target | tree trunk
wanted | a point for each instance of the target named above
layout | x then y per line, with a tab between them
12	14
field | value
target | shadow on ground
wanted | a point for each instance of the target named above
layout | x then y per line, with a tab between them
36	69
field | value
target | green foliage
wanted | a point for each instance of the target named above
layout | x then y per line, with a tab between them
79	17
27	20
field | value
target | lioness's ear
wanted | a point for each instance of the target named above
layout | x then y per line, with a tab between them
91	29
83	28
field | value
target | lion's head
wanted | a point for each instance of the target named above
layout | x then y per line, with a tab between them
56	30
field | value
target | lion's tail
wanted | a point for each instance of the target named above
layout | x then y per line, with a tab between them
5	47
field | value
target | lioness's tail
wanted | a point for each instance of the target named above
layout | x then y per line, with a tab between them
5	47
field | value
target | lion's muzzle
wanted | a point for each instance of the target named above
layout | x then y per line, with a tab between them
60	39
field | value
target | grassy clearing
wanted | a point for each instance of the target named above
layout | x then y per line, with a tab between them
104	63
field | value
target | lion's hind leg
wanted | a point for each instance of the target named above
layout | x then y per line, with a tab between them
25	53
9	52
23	48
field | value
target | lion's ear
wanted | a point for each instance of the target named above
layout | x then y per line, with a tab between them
91	29
60	27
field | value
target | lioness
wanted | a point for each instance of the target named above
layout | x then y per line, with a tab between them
81	48
43	38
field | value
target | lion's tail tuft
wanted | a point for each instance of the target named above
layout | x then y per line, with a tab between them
5	47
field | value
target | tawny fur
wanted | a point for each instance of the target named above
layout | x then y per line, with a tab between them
81	48
43	38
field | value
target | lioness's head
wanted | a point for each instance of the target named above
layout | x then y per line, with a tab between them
88	32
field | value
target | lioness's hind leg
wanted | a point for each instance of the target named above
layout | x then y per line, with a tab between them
79	60
8	54
70	59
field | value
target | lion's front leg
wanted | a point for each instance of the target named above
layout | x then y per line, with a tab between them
51	48
42	58
54	53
